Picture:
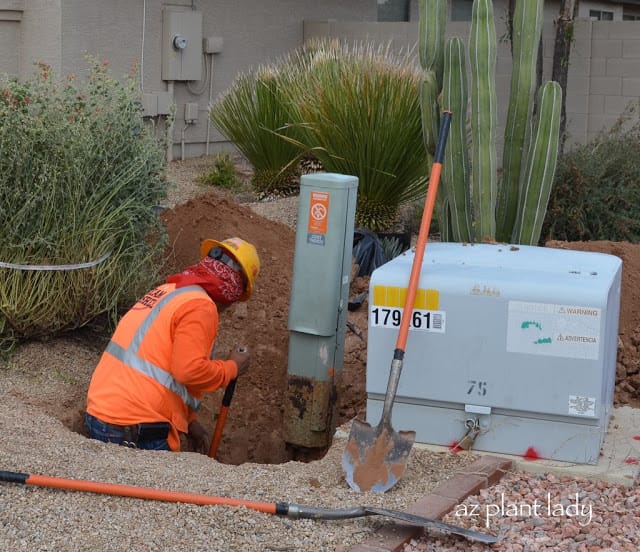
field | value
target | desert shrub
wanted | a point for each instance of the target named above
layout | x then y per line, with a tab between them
79	179
359	113
596	193
250	114
354	108
222	173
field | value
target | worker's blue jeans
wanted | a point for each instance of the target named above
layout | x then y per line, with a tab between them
104	432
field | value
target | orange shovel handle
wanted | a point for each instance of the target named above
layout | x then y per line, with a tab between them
222	418
423	233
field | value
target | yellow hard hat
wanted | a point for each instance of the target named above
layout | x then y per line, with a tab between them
244	253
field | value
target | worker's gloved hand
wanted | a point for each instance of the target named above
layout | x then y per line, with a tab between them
197	437
242	357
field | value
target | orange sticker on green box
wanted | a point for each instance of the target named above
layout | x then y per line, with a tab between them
318	213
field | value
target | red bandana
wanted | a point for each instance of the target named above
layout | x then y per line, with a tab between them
221	282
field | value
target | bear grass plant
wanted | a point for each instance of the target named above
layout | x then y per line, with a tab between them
80	175
596	194
354	108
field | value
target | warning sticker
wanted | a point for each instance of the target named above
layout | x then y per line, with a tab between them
553	330
318	217
582	406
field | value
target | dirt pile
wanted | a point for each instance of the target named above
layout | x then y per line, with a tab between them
253	430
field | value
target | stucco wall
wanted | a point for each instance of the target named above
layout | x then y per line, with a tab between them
11	12
603	75
41	36
252	33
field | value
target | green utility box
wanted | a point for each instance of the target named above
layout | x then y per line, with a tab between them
318	309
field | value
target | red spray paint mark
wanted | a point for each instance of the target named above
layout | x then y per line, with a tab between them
632	461
531	454
453	447
636	437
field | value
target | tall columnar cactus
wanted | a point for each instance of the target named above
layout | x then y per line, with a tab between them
525	38
431	50
514	207
540	167
484	176
455	171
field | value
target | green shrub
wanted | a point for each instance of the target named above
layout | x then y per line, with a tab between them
353	108
250	114
358	110
596	194
79	178
222	173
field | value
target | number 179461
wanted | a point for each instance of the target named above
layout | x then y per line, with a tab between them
424	320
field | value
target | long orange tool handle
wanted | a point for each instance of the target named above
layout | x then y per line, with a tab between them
423	233
134	492
222	418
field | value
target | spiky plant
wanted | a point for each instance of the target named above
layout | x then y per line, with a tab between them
359	113
251	114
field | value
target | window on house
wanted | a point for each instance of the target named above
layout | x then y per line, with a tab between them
461	10
630	17
600	15
393	10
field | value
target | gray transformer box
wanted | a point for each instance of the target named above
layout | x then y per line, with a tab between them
519	342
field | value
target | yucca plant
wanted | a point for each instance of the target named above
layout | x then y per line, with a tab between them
359	113
250	114
79	179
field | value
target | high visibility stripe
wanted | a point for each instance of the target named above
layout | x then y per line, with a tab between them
130	357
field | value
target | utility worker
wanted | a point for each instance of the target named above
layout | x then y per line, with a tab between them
149	381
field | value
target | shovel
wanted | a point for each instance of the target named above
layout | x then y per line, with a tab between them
376	457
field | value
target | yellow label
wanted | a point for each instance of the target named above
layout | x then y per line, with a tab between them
392	296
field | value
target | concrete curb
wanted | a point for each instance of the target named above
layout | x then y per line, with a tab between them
483	473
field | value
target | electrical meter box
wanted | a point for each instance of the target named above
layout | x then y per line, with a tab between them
181	44
512	346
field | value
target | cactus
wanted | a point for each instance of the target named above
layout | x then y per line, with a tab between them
432	25
484	176
429	89
431	38
527	29
455	172
540	167
478	206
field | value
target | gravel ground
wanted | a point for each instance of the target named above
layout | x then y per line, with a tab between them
532	512
35	518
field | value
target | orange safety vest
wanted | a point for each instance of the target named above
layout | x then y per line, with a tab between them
131	384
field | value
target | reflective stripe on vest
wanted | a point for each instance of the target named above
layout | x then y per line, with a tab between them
129	356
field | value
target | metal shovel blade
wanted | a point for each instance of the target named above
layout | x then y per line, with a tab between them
374	459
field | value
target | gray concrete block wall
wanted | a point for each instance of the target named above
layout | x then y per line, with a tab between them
610	54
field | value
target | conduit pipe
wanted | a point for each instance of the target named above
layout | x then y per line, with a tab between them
170	88
209	104
295	511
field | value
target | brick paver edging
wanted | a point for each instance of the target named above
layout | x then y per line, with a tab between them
484	472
